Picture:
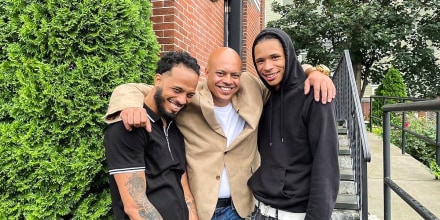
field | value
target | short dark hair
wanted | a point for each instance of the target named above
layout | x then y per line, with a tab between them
266	36
269	36
173	58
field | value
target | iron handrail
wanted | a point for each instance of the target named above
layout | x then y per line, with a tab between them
385	98
348	109
430	105
356	100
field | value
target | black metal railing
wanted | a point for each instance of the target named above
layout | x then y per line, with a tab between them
385	100
402	127
378	118
348	109
431	105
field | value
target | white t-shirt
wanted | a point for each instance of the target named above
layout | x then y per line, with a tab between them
232	124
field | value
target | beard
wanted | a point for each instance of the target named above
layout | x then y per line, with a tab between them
160	101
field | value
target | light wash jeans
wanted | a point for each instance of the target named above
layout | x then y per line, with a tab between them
226	213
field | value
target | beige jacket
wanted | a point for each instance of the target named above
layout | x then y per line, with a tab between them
205	142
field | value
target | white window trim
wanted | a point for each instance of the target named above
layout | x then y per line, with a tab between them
257	3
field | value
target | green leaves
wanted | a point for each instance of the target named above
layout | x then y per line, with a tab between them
414	146
435	169
392	86
377	33
59	62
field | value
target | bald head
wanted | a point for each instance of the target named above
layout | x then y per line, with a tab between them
221	54
223	75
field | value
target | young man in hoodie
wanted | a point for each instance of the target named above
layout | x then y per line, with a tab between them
297	139
220	130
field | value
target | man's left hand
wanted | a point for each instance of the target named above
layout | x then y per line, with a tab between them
322	85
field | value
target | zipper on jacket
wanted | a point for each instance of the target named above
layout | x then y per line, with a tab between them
165	131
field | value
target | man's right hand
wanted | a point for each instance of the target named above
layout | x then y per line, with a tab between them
135	117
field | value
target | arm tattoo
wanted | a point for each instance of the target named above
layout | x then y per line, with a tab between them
190	204
137	190
189	201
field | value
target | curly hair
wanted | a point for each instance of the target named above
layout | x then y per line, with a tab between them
173	58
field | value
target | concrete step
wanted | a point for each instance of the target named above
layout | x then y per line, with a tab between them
341	214
344	141
344	151
347	188
347	202
345	162
344	145
342	127
347	207
342	130
346	174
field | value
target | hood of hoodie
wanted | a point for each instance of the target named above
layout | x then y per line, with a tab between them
291	88
293	72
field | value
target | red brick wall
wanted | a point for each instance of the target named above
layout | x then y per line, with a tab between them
253	23
196	26
365	109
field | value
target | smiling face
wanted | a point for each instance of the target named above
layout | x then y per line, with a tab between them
223	75
174	90
270	61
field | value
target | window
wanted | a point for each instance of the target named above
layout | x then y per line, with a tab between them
257	3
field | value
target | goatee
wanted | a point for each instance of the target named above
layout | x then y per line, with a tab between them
160	101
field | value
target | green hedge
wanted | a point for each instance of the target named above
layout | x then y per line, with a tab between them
393	86
419	149
59	61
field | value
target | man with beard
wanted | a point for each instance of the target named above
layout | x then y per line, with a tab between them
147	170
220	129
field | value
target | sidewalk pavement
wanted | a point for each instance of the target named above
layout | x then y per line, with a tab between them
407	173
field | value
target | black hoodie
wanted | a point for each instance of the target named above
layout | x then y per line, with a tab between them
298	144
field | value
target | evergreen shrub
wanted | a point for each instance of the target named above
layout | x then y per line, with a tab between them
59	62
392	86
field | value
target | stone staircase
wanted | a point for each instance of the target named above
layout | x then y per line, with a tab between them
347	206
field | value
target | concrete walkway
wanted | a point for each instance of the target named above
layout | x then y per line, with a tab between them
409	174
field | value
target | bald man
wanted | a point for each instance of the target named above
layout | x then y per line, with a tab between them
220	131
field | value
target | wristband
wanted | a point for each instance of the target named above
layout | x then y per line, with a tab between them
321	68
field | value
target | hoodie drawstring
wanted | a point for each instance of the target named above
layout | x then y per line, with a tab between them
270	125
282	116
281	122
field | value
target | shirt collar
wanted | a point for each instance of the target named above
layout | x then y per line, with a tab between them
153	116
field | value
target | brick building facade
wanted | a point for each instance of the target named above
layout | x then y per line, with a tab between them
253	23
199	26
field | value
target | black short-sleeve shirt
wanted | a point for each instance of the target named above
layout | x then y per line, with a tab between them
160	154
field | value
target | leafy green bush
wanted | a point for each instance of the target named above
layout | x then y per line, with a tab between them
419	149
435	169
392	86
59	61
